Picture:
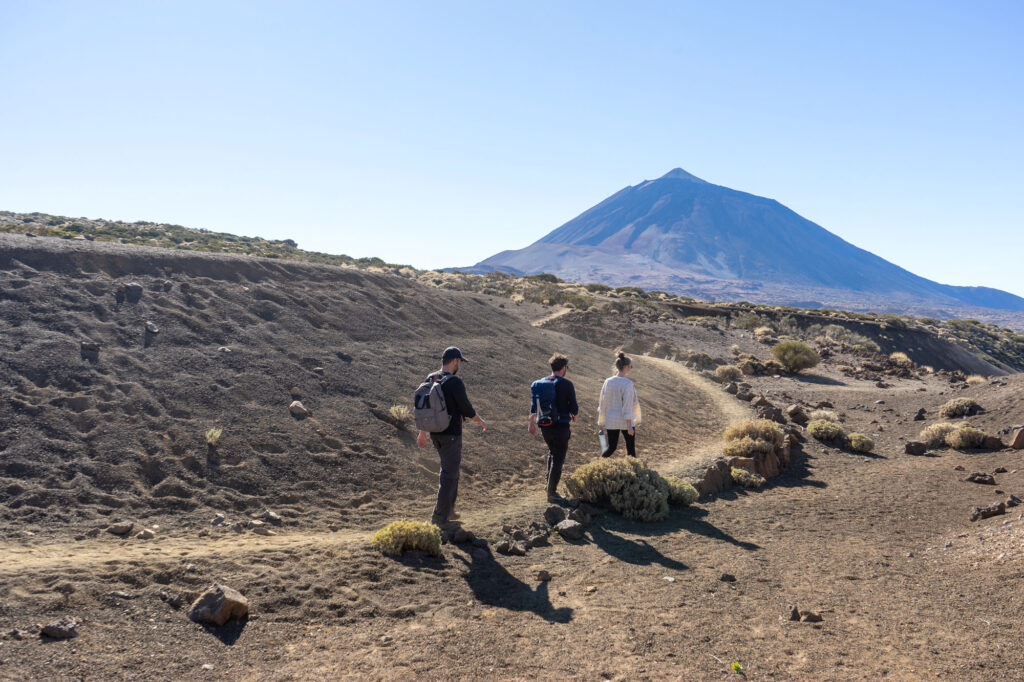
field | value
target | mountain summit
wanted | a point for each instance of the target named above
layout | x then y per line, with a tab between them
682	234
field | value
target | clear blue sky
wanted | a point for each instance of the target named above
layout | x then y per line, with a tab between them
438	133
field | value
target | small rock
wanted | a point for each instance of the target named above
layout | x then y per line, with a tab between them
318	370
207	666
480	554
223	349
191	568
263	530
1017	441
519	534
146	534
217	605
518	549
503	547
89	347
462	536
992	443
949	543
569	529
543	576
727	578
151	328
537	540
919	416
796	414
979	513
999	470
979	477
120	527
65	628
579	516
794	612
731	388
810	617
668	578
879	402
121	594
959	467
238	526
298	409
133	291
590	589
295	392
386	640
554	514
913	447
1012	501
218	519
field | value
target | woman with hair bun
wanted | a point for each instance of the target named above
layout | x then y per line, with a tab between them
619	407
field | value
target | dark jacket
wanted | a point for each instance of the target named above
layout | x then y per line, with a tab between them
457	402
565	401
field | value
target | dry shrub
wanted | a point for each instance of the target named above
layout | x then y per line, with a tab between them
755	429
627	485
959	407
901	359
825	430
728	372
405	536
965	438
680	493
861	443
975	380
796	355
746	479
827	415
213	437
747	447
934	436
927	369
401	414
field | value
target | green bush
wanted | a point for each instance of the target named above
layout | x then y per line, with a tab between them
755	429
861	443
747	447
796	356
404	536
965	438
825	430
959	407
827	415
934	436
680	493
728	372
746	479
627	485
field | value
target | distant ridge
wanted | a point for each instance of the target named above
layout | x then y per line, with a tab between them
684	235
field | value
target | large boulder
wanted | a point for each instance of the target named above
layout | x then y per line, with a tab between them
217	605
914	447
717	477
569	529
767	464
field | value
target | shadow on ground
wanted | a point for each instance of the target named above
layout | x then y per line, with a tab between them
493	585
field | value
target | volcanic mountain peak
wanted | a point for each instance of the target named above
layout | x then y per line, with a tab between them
680	174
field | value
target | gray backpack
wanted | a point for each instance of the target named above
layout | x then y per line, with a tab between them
429	409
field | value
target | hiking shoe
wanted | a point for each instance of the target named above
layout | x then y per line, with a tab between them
555	498
454	516
438	521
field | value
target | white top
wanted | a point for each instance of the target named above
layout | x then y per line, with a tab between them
618	403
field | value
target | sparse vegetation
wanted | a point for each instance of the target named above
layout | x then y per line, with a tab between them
796	356
975	380
825	430
959	407
861	443
400	414
747	447
965	438
934	436
405	536
746	479
901	359
627	485
827	415
728	372
680	493
755	429
213	436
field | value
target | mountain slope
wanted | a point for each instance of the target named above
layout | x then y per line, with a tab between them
685	235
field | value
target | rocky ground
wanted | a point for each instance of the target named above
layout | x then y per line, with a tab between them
880	546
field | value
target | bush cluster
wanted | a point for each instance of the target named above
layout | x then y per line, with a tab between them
959	407
756	429
400	414
827	415
901	359
965	438
975	380
405	536
860	443
796	356
747	447
624	483
825	430
728	372
680	493
934	436
746	479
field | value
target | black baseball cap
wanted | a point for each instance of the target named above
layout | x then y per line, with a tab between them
451	352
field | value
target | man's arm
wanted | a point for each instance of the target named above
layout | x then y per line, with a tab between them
574	408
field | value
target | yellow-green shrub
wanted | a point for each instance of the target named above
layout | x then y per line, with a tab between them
680	493
755	429
401	414
796	355
901	359
934	436
959	407
825	430
965	438
728	372
861	443
975	380
404	536
747	447
827	415
213	437
627	485
746	479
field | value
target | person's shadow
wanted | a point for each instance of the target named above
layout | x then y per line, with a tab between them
493	585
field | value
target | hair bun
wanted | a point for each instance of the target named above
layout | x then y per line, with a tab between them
621	355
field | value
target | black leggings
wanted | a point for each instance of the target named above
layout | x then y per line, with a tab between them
613	442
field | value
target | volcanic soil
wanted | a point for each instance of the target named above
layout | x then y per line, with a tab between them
880	544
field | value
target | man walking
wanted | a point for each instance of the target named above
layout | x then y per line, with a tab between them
449	441
553	407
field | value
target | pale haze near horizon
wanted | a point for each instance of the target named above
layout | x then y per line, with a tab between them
440	134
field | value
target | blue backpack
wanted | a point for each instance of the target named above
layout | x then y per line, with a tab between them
542	394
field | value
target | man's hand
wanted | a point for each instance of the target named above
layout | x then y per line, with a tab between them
532	429
573	417
421	439
480	420
631	430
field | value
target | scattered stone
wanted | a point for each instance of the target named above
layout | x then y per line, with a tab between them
272	517
133	291
503	547
543	576
913	447
554	514
298	409
151	328
217	605
538	540
979	477
223	349
191	568
727	578
17	634
731	388
519	534
772	413
1012	501
580	516
207	666
1017	441
295	392
386	640
263	530
238	526
745	395
810	617
879	384
761	401
879	402
717	477
919	416
569	529
121	594
480	554
959	467
796	414
999	470
518	549
992	443
978	513
218	519
794	612
146	534
590	589
668	578
462	536
480	542
65	628
121	527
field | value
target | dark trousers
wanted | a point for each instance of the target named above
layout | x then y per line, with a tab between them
449	448
557	438
613	442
